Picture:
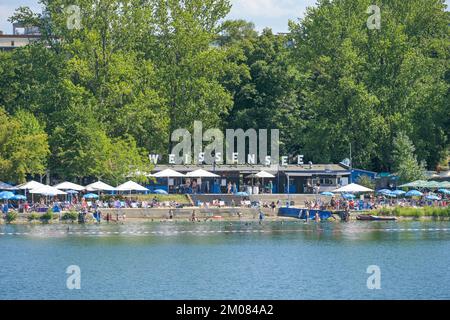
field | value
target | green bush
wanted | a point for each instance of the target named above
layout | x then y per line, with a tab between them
11	216
33	216
70	216
415	212
48	216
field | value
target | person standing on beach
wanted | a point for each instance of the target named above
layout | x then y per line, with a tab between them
272	206
270	186
333	203
261	217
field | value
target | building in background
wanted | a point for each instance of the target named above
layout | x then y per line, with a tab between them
21	36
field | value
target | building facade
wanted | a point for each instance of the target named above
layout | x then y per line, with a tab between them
295	179
21	36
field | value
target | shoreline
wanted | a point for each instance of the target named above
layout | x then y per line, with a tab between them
209	220
224	214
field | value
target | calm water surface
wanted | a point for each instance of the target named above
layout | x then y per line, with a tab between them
219	260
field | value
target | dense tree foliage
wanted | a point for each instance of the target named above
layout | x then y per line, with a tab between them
269	94
23	146
364	85
102	96
405	162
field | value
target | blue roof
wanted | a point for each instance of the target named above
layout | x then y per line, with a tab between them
363	170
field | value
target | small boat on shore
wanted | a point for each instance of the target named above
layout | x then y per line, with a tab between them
304	214
374	218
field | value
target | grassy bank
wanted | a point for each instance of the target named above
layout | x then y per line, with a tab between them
435	212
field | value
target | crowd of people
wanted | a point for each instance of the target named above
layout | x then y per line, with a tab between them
79	205
374	202
370	202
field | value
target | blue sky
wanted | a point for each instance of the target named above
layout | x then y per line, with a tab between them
264	13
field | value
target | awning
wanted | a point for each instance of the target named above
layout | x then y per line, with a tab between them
299	174
310	174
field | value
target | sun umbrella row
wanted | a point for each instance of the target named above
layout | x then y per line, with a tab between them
427	184
66	187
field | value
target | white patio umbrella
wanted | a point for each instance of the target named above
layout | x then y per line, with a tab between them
353	188
168	173
200	173
30	185
99	186
47	191
262	174
131	186
69	186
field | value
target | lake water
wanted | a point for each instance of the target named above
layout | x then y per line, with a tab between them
219	260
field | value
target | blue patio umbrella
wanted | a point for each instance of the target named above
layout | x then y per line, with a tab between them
390	194
398	192
414	193
348	196
6	195
444	191
328	194
241	194
5	186
18	197
384	191
91	196
160	191
432	197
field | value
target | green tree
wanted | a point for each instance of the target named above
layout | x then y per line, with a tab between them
23	146
78	142
82	148
405	162
366	181
237	32
189	67
363	86
125	160
269	96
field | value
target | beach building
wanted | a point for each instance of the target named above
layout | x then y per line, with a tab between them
21	36
294	179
